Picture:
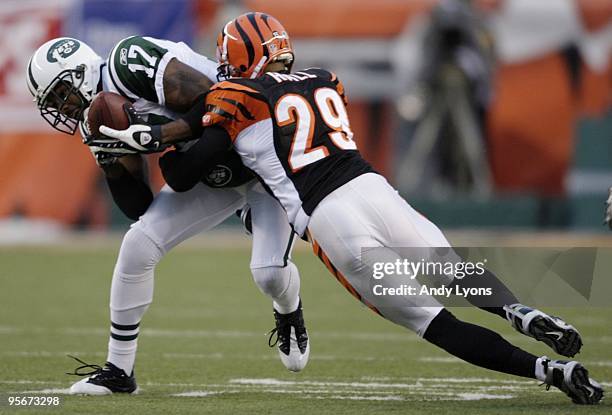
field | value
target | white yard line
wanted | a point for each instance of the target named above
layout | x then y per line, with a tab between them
30	382
46	353
436	359
371	389
152	332
197	333
481	396
50	391
450	380
199	394
273	356
363	398
338	391
603	363
278	382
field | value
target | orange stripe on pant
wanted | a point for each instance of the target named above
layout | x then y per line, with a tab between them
338	275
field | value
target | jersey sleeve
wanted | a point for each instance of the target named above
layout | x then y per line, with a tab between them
234	107
136	66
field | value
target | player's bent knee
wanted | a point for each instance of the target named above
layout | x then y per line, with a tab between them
138	253
273	281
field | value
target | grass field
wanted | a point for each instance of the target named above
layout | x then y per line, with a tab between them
203	346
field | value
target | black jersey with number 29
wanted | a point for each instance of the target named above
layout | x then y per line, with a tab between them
293	131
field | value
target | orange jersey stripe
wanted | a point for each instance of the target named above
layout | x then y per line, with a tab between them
234	110
341	278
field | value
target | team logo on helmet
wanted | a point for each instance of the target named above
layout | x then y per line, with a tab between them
219	176
123	56
62	49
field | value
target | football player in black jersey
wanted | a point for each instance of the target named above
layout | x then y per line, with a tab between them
292	130
163	79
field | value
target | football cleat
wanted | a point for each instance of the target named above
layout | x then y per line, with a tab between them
102	380
563	338
573	380
291	338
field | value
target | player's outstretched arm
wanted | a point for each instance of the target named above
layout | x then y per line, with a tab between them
184	89
144	138
183	86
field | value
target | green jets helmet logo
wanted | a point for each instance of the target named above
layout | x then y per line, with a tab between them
62	49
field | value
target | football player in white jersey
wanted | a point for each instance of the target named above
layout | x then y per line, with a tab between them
163	79
293	131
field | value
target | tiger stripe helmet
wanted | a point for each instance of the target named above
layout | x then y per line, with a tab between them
250	42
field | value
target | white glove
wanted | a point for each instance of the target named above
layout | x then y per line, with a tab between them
138	137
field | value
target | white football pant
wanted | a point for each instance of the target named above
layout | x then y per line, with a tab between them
174	217
367	213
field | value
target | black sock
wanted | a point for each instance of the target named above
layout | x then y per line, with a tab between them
495	310
501	295
479	346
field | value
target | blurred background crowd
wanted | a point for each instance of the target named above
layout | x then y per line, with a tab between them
483	113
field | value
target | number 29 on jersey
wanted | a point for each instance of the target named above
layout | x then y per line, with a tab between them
294	108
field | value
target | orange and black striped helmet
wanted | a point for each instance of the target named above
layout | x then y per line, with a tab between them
249	42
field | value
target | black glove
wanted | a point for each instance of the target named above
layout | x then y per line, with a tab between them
102	157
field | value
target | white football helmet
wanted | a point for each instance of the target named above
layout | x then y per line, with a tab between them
63	76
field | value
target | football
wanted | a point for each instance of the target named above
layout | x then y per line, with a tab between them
107	108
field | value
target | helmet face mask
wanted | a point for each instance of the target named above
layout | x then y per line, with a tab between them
225	70
62	104
64	75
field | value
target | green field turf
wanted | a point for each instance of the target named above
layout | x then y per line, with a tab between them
205	337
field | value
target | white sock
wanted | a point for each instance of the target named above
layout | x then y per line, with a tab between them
131	295
122	352
540	373
123	340
288	301
281	284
